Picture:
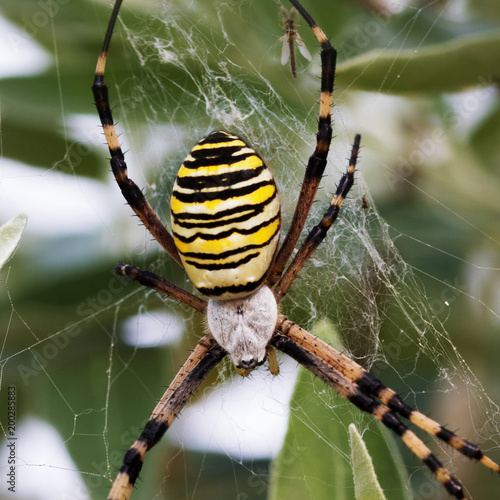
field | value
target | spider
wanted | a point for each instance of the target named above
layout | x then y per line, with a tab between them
225	233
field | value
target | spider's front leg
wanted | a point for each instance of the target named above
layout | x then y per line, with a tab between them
317	161
131	192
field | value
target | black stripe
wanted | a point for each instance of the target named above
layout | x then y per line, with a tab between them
218	136
227	265
469	450
225	234
100	91
445	435
398	405
216	151
453	487
132	465
229	253
432	463
363	401
219	156
392	422
218	223
225	194
200	182
234	289
369	383
132	461
153	431
256	208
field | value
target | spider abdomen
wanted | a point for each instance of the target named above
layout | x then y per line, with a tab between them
226	217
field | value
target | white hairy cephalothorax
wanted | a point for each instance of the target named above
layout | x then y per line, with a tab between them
244	327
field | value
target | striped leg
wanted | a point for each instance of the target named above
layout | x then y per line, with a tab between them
368	404
317	161
318	233
134	196
206	356
349	372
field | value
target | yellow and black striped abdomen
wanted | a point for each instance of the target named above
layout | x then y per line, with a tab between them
226	217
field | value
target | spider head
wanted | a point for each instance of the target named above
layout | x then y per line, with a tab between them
244	327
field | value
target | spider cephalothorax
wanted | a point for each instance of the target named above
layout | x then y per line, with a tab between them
244	327
226	230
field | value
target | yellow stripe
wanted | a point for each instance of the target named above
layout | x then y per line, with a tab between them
122	488
221	220
250	162
259	219
111	137
233	241
101	64
320	35
325	105
215	206
214	145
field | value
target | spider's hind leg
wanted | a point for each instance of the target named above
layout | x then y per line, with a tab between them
206	355
366	392
304	348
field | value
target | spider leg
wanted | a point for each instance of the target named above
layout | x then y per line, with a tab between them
318	233
155	282
317	162
206	356
372	386
368	404
131	192
356	376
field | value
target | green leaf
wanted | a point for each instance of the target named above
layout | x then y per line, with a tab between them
451	66
366	485
10	235
315	459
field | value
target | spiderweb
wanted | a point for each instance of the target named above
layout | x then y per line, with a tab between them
408	275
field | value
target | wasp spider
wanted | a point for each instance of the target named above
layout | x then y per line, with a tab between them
226	230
